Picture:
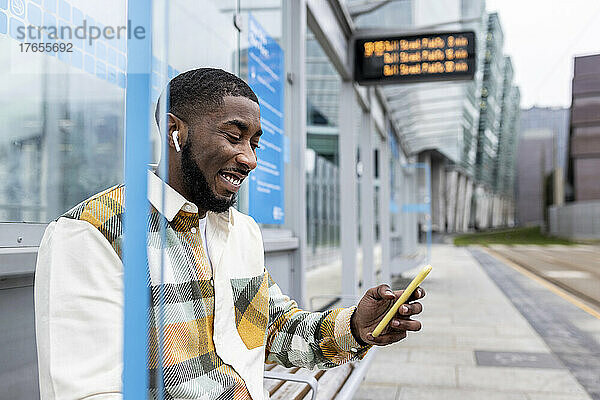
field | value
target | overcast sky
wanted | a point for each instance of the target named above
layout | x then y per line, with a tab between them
542	37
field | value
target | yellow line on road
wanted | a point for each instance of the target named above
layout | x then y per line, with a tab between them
553	288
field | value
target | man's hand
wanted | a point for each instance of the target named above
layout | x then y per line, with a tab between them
372	308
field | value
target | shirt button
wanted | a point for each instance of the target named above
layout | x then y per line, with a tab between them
212	282
188	207
354	350
193	230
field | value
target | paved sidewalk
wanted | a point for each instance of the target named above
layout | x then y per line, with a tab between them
465	312
324	283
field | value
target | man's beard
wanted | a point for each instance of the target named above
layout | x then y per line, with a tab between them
197	185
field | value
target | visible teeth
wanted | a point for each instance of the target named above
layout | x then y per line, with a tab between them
234	181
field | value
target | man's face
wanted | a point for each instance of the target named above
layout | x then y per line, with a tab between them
220	152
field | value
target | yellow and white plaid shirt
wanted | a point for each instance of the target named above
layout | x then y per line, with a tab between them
219	328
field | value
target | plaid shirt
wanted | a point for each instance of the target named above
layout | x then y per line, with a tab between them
208	355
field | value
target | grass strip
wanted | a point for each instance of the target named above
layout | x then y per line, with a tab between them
529	235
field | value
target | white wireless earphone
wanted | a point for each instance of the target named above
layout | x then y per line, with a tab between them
176	140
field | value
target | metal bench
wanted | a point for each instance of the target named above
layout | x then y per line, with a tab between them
338	383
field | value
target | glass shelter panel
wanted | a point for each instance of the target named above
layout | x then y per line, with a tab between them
61	111
322	157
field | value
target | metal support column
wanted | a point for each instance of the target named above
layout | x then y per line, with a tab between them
409	220
366	201
348	197
424	189
468	199
415	231
428	201
403	217
438	188
384	209
451	199
294	32
413	219
460	202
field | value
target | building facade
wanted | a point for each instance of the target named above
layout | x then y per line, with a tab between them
585	129
542	140
486	201
555	119
579	217
505	166
490	105
534	165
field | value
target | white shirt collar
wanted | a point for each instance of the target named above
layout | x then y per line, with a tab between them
174	201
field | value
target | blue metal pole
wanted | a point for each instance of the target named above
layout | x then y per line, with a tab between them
162	6
137	150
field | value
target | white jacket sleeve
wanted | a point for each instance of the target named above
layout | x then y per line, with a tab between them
79	313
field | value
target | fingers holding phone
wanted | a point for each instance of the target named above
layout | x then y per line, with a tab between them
383	317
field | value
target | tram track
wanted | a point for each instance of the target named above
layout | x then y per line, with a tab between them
537	268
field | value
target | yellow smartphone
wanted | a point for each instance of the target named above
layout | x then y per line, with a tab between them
403	298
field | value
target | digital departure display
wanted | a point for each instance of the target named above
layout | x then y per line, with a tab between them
415	58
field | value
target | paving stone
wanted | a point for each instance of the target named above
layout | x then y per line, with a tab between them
494	319
519	379
376	392
590	324
548	396
424	339
411	393
521	343
411	374
577	360
462	330
517	359
524	330
442	357
393	354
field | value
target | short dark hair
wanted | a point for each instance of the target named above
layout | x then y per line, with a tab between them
201	91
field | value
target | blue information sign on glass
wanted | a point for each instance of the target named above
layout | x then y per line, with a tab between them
265	77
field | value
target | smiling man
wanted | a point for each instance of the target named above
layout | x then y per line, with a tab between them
223	314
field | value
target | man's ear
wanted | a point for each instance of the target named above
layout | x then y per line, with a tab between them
176	124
